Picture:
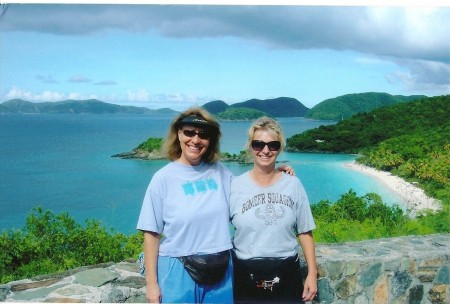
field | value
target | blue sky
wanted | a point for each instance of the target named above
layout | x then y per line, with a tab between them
177	56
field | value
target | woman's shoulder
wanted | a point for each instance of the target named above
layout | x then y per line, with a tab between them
287	178
293	182
240	178
220	166
164	171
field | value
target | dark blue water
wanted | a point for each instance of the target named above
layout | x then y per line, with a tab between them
63	163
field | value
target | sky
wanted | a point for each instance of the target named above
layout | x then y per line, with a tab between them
182	55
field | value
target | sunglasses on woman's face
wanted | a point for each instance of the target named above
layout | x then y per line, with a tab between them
258	145
192	133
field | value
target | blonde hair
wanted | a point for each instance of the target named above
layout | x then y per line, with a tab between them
267	124
171	146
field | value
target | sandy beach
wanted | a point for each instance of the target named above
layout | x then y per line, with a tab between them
415	198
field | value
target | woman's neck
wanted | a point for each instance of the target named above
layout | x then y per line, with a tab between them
263	176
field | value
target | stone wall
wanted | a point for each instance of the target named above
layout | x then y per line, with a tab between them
411	269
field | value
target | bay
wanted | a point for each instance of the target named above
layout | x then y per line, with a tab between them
63	163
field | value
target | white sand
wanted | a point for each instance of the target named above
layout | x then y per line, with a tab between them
414	197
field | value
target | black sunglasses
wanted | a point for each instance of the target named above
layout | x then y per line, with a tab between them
258	145
192	133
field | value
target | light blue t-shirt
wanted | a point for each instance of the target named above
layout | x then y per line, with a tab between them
268	219
189	205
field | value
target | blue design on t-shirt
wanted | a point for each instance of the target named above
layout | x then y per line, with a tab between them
188	189
212	185
200	186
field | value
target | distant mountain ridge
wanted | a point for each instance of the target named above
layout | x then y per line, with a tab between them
92	106
337	108
345	106
275	107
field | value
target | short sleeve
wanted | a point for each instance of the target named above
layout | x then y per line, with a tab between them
150	218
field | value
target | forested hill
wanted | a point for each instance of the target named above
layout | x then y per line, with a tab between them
216	106
368	129
276	107
347	105
92	106
411	140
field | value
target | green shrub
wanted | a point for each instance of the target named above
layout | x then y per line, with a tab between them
354	218
151	144
51	243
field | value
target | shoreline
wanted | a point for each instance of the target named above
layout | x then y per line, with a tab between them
414	197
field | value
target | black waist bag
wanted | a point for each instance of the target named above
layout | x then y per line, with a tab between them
207	268
265	268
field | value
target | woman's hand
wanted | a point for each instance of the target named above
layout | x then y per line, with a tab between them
310	288
153	293
287	169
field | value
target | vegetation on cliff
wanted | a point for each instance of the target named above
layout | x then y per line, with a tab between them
51	243
410	140
345	106
147	150
354	218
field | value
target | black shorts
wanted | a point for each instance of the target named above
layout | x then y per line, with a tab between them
268	280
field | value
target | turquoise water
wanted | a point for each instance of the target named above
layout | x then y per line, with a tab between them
64	163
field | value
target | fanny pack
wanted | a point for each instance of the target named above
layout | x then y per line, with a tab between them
266	272
207	268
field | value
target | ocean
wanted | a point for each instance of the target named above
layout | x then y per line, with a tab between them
63	163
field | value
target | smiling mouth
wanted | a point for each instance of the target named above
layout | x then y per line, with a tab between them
194	148
265	156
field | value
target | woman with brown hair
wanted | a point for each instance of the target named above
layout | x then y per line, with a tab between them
185	217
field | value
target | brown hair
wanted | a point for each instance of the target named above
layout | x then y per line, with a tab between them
171	145
268	124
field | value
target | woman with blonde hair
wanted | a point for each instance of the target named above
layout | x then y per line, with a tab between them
270	213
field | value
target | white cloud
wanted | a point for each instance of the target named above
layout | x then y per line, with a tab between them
75	96
141	95
180	98
422	75
176	101
18	93
50	96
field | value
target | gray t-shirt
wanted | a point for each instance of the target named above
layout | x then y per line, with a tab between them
268	219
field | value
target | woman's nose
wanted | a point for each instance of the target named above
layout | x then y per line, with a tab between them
196	138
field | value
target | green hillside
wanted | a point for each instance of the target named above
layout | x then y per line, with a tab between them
411	140
368	129
216	106
347	105
240	114
276	107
